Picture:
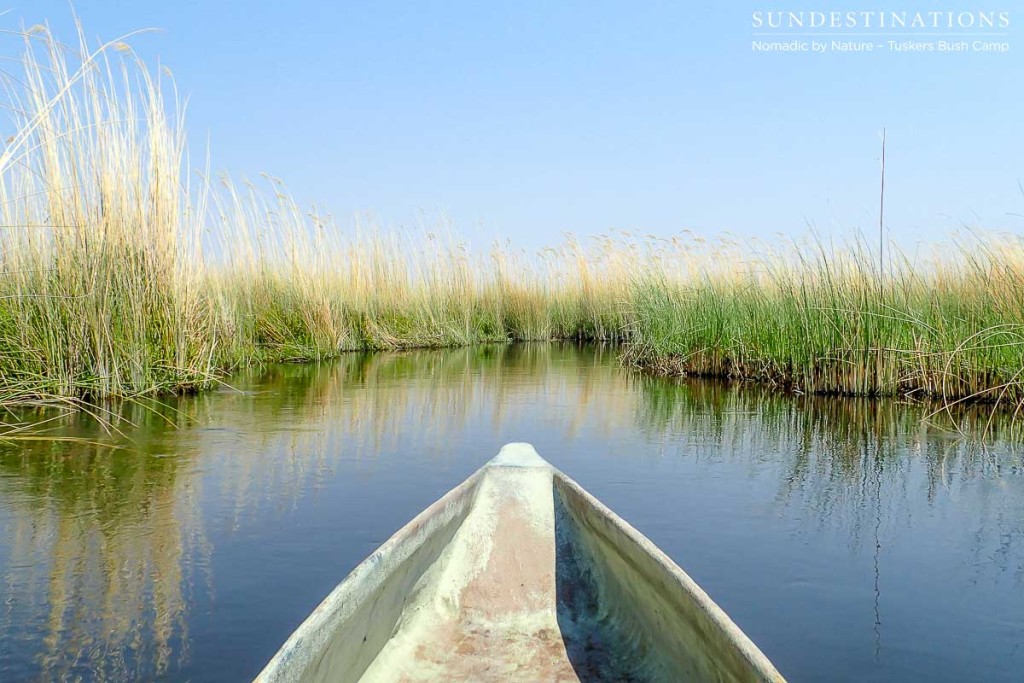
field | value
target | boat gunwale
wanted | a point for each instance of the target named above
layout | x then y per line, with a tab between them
276	668
747	647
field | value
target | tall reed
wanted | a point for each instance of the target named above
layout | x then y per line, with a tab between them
99	293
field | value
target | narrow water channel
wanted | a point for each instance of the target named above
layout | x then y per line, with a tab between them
185	540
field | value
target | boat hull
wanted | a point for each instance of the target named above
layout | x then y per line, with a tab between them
518	574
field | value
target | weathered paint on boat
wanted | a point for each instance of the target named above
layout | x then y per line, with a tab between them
518	574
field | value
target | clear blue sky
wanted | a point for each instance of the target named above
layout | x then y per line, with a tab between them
533	118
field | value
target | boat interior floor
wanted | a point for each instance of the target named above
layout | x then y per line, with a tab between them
513	598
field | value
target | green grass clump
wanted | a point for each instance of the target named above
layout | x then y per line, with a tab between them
949	327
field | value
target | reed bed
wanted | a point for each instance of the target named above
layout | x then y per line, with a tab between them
124	273
816	319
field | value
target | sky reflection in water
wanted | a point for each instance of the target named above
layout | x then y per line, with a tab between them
847	538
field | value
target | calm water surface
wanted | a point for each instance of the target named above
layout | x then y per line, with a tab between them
851	541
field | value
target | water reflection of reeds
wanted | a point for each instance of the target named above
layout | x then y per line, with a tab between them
107	543
103	549
854	463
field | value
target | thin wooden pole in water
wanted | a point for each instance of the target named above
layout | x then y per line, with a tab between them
877	389
881	217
